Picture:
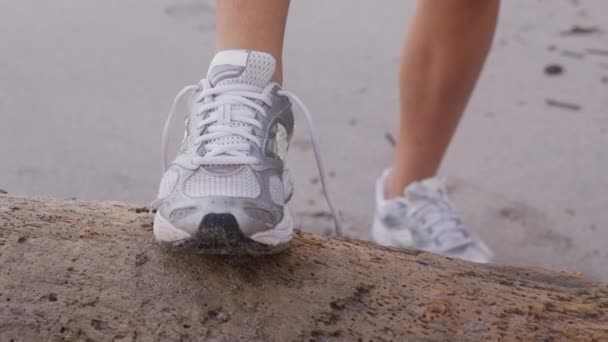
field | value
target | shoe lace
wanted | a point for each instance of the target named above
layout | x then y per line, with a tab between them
437	221
215	126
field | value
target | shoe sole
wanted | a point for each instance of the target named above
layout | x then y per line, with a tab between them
220	234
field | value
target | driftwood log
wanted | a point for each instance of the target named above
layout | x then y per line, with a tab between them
88	271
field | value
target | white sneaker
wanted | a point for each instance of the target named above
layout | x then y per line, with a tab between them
425	218
227	190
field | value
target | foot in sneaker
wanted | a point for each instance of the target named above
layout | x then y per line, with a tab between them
226	192
425	218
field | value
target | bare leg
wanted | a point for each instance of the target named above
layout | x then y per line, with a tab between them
441	61
254	25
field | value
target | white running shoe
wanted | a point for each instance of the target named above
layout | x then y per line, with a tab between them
227	190
424	218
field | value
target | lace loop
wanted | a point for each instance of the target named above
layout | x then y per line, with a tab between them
164	144
317	153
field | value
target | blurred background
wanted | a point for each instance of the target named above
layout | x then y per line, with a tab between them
85	87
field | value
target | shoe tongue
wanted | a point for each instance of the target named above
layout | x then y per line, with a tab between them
241	67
